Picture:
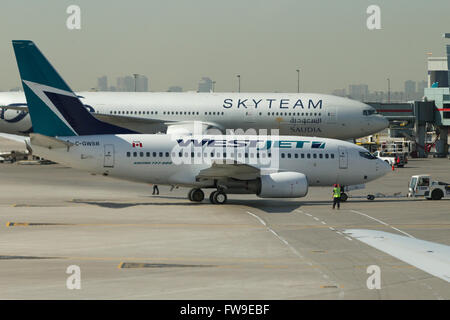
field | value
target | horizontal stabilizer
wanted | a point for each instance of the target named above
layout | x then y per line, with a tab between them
48	142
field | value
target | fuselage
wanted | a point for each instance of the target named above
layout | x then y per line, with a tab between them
177	160
300	114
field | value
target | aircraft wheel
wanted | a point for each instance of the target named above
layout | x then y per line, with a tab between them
197	195
436	194
344	197
190	194
211	197
220	197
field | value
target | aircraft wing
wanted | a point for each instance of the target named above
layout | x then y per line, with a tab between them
234	170
171	127
431	257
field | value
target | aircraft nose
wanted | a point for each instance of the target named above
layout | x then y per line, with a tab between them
383	167
381	122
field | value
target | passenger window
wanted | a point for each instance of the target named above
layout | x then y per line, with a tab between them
296	155
167	154
148	154
160	154
308	156
289	155
134	154
332	156
320	156
154	154
282	155
303	156
141	154
326	155
128	154
314	155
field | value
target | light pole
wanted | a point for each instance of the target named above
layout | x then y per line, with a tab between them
135	81
239	82
298	80
389	90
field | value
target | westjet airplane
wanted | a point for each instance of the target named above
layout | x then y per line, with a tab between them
268	166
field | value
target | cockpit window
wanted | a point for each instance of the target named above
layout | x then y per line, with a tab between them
369	112
367	155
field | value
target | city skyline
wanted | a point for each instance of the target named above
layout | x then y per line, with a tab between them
264	42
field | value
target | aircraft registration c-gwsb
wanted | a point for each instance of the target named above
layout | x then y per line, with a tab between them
268	166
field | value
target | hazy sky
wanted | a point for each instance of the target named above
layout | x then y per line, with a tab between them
176	42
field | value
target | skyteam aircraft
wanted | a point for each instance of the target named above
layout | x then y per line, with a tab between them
302	114
268	166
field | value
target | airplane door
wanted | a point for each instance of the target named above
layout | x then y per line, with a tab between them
250	116
343	158
108	161
331	115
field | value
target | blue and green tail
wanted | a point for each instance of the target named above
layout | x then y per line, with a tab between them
54	109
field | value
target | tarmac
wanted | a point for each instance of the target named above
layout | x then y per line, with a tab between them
129	244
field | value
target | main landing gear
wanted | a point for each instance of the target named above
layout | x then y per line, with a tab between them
216	197
196	195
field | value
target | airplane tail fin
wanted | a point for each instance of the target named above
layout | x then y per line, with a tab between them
54	109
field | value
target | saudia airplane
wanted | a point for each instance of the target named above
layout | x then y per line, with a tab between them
268	166
145	112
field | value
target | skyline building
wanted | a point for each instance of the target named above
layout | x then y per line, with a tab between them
205	85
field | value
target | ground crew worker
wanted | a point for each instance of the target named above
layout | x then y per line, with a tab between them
336	196
155	189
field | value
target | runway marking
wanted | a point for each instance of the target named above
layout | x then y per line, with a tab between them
382	222
298	254
255	216
32	224
125	265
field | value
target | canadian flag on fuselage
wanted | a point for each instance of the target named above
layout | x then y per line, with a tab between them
137	144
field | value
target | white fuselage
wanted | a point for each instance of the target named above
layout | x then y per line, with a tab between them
300	114
156	158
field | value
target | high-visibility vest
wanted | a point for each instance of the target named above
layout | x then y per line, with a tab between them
337	192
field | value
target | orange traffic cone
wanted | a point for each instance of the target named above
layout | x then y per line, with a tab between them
393	168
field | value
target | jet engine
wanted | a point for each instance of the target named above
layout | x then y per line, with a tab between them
283	185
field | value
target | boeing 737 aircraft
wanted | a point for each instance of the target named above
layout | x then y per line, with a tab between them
303	114
268	166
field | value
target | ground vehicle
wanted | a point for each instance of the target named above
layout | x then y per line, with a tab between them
393	159
422	185
386	158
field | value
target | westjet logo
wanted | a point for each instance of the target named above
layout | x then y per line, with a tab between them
253	144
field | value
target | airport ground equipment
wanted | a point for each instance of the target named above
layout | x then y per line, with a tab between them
423	186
